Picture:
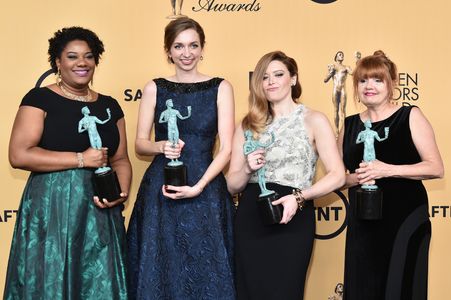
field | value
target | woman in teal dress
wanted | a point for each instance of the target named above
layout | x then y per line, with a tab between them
68	243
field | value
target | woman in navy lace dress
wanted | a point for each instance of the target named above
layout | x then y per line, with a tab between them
180	243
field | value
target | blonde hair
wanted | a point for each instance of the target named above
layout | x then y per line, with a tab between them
377	66
260	112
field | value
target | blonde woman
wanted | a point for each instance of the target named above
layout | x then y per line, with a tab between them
272	261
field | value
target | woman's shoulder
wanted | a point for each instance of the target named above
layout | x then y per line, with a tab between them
39	97
314	117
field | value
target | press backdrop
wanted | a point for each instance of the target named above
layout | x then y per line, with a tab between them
415	34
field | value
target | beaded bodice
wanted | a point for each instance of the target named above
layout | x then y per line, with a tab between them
291	159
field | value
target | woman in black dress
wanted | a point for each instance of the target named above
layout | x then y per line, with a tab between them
272	260
387	258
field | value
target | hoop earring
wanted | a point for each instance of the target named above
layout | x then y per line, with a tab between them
201	57
58	77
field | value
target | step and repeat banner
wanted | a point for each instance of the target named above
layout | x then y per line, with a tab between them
317	33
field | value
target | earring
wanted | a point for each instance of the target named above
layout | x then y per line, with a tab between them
201	57
58	77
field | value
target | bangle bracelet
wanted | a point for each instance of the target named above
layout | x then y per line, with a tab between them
297	193
81	163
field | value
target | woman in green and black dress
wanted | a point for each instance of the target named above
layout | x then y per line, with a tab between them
68	243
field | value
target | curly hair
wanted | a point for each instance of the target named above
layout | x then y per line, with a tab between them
62	37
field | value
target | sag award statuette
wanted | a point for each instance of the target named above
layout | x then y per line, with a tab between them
174	5
270	214
369	196
106	184
175	170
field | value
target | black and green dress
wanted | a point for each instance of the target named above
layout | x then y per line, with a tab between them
64	247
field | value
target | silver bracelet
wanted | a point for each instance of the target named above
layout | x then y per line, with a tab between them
81	163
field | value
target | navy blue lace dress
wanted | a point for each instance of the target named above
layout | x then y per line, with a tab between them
182	249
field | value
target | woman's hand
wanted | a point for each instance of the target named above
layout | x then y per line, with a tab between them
290	207
107	204
181	192
368	172
171	151
95	158
255	160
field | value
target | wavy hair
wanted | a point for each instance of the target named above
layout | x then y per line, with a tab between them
260	112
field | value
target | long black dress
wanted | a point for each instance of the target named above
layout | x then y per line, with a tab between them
387	259
272	260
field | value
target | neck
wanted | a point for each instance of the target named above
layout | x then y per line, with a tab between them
380	112
187	76
283	108
79	91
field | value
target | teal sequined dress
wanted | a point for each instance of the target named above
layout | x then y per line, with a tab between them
64	247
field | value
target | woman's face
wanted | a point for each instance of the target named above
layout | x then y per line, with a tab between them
186	50
76	64
372	91
277	82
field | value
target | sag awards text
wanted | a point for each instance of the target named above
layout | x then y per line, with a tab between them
217	6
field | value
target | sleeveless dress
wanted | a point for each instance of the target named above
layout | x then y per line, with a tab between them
387	259
272	260
182	249
64	247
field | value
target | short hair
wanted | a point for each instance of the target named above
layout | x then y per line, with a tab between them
377	66
175	27
62	37
336	54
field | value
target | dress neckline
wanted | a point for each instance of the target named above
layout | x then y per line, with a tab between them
197	82
291	114
71	100
387	118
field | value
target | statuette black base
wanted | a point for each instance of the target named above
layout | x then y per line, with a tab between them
106	186
270	214
369	204
175	175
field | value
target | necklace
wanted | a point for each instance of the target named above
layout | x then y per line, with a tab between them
81	98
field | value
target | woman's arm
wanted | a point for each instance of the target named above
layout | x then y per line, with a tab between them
325	144
351	178
121	164
242	166
431	165
239	171
143	144
323	139
226	117
24	152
